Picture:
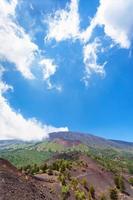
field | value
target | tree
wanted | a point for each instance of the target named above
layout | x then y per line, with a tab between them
131	181
102	197
74	183
50	172
84	182
44	168
65	192
122	184
113	194
79	195
62	179
89	196
92	191
117	181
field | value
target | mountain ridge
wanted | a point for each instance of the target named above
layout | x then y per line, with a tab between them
86	138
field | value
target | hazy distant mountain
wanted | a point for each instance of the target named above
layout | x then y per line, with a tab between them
87	139
91	140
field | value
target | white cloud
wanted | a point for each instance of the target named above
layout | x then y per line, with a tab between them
14	126
90	52
16	45
86	35
116	18
65	23
49	68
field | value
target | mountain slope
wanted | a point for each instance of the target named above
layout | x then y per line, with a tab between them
16	185
91	140
72	174
87	139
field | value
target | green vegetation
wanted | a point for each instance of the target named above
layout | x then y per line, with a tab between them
113	194
92	191
119	182
102	197
84	183
113	160
79	195
89	196
23	157
131	181
65	192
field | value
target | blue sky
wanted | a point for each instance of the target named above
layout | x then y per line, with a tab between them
66	65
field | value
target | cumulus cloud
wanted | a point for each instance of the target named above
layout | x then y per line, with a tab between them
16	45
116	18
65	23
13	125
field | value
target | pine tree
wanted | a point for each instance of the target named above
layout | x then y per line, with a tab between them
113	194
92	191
122	184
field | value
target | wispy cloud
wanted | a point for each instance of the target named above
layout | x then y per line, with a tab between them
49	68
90	52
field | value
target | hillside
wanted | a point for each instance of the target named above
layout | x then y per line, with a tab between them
66	176
114	155
65	166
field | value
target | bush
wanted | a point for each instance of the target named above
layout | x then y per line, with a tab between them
113	194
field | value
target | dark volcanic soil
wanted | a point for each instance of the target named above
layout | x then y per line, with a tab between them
17	186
